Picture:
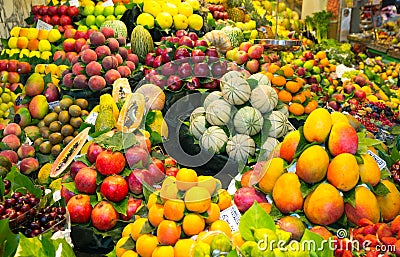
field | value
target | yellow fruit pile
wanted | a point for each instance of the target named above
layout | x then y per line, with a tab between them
184	207
7	100
170	14
55	71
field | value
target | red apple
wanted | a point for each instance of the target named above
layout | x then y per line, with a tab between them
256	51
185	41
65	20
3	64
55	20
200	43
241	57
62	10
201	70
360	95
12	65
198	56
185	70
108	162
72	11
253	66
245	46
181	33
174	83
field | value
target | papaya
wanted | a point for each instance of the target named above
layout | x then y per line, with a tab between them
132	113
68	153
121	89
105	119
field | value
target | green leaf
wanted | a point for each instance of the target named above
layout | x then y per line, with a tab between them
147	228
2	189
150	117
395	155
112	253
121	207
253	83
85	160
71	187
126	172
4	43
255	218
44	158
395	130
275	212
129	244
155	138
142	212
19	181
306	189
117	142
364	143
147	190
385	173
386	158
321	246
359	159
350	197
8	240
67	250
233	253
380	189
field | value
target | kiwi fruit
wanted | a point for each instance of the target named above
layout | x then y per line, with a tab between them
41	124
66	103
76	122
67	140
45	132
64	117
45	147
84	113
83	103
67	130
37	142
49	118
56	150
75	133
57	109
55	126
75	111
56	138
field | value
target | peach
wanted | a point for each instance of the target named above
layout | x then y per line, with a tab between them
28	165
11	155
13	77
131	65
342	139
366	206
59	54
88	55
97	38
33	44
12	128
25	151
322	231
107	32
109	62
77	68
11	141
121	40
71	55
102	51
69	45
123	52
113	44
93	68
111	76
97	83
133	58
80	82
79	43
68	80
124	71
22	42
74	60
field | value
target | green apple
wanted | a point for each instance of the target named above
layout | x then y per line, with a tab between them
309	65
119	10
98	10
82	28
88	10
99	20
94	27
91	20
316	70
109	10
298	62
110	17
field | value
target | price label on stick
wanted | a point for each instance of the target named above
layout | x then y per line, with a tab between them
52	105
43	25
232	216
381	163
74	3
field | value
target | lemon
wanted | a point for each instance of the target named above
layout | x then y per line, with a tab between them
195	22
185	9
145	19
152	7
12	42
194	3
6	98
1	113
15	31
164	20
240	25
4	107
253	34
180	21
252	24
44	45
170	8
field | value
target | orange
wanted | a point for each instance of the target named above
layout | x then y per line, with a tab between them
324	62
174	210
292	86
237	239
273	68
186	178
299	98
320	55
197	199
278	81
307	93
288	71
168	232
285	96
193	224
311	106
137	227
118	250
163	251
152	199
156	214
296	109
332	67
146	244
130	253
221	225
224	199
269	75
213	213
185	248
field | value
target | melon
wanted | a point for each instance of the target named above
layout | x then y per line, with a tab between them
67	155
240	147
132	113
278	124
141	42
199	111
118	26
212	97
198	126
236	91
214	139
248	120
232	75
218	112
284	110
264	98
261	79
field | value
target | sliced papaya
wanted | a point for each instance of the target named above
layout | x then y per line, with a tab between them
68	153
154	95
121	89
132	113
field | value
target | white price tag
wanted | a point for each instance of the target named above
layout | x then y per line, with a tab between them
381	163
91	119
52	105
74	3
43	25
232	216
108	3
57	196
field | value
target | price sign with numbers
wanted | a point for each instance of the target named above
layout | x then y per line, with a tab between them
381	163
232	216
43	25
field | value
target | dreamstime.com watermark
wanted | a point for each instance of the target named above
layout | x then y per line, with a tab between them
332	243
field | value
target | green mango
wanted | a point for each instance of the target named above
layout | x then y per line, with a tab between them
202	250
257	252
283	235
266	236
295	250
279	253
247	247
221	243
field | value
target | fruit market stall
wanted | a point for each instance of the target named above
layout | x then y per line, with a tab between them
183	128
